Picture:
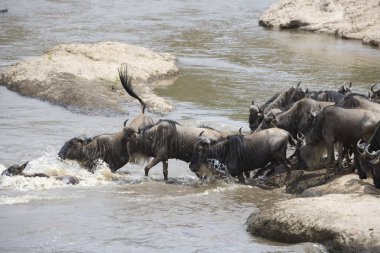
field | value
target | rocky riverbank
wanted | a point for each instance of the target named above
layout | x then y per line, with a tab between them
341	214
84	77
348	19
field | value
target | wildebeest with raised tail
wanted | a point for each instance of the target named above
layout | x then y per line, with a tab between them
241	153
370	156
336	124
141	120
165	140
111	148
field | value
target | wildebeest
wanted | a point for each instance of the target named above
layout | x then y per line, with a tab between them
278	102
329	95
355	100
336	124
17	170
345	90
375	95
297	118
241	153
256	113
369	156
111	148
165	140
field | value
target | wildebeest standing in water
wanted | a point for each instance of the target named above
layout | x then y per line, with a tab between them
165	140
241	153
337	124
111	148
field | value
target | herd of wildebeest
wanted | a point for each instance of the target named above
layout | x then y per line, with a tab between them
313	123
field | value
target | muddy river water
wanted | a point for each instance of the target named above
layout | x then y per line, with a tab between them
226	60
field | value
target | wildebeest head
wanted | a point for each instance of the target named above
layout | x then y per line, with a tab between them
198	156
344	90
375	96
14	170
256	115
312	148
298	93
133	137
72	147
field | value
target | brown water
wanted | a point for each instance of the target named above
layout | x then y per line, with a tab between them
226	60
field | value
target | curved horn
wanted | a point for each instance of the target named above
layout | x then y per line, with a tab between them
253	101
373	87
371	155
240	130
126	81
298	85
201	134
361	147
350	85
300	136
125	122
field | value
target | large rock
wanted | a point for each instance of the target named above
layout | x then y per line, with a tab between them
350	19
85	77
342	222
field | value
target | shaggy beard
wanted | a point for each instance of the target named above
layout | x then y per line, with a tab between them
138	158
312	155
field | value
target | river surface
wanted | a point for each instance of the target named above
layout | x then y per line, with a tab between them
226	61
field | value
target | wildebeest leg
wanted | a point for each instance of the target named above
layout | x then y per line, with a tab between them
152	163
241	178
165	169
340	156
330	158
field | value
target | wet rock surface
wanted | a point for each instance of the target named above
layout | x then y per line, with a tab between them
84	77
342	214
345	19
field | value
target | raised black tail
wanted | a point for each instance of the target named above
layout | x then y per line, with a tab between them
127	84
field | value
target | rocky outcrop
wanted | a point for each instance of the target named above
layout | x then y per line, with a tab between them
344	220
348	19
85	76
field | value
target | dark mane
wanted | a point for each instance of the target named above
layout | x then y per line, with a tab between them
203	125
262	107
172	123
356	95
230	151
282	100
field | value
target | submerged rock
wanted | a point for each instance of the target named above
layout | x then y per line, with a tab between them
85	76
345	222
349	19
